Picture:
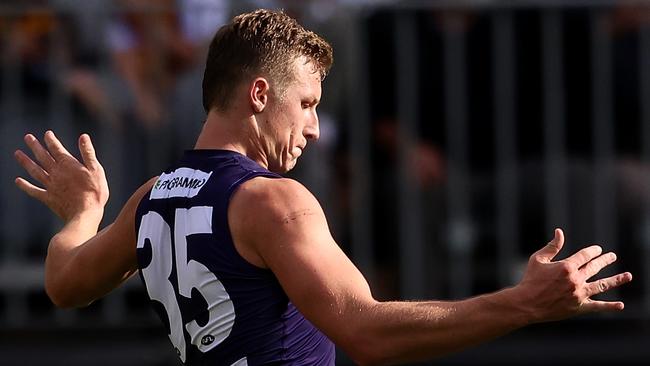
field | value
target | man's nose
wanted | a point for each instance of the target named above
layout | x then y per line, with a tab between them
312	130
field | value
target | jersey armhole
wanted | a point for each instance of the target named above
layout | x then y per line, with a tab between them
230	192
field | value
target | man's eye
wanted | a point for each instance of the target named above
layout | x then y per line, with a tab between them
305	105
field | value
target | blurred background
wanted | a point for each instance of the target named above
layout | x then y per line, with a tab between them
455	136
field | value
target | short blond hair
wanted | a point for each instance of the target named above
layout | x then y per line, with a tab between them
262	42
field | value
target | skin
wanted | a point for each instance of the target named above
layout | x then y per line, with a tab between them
289	234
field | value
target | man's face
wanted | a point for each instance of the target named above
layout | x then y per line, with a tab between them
292	120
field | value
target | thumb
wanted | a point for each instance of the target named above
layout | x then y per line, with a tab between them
87	151
553	247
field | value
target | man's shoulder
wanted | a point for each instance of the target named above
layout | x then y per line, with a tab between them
140	193
268	211
267	202
270	187
273	193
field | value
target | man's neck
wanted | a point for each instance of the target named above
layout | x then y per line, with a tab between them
234	133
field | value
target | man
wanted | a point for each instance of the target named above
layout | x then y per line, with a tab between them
235	255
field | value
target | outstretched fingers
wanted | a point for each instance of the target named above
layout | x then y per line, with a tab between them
31	190
43	157
585	255
591	306
595	265
88	152
606	284
33	169
56	148
601	286
550	250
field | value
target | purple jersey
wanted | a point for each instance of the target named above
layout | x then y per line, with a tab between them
218	308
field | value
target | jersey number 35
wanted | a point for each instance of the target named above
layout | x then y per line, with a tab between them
190	275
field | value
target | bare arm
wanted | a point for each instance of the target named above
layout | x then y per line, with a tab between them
289	235
81	264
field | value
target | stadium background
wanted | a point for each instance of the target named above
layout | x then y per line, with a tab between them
455	136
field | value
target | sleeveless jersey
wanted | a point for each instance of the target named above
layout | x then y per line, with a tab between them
218	308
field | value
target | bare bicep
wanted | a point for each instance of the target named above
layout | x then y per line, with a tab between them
289	232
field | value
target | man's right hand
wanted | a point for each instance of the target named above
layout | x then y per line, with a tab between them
70	187
554	290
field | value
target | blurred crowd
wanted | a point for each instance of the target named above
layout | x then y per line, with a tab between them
129	72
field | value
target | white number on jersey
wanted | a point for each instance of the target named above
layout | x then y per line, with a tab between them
189	275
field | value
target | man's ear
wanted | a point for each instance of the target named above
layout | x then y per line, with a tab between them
259	94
